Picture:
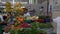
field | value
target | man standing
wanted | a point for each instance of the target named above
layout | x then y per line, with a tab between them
57	21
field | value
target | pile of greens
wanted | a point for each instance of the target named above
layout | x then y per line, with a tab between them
35	28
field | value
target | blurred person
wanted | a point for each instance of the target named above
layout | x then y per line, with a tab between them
57	27
26	13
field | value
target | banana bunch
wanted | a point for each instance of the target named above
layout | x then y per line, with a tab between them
17	7
8	7
8	4
17	4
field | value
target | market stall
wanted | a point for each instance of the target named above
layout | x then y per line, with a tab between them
21	20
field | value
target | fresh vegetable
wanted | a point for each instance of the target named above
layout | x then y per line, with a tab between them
42	32
41	20
25	25
8	7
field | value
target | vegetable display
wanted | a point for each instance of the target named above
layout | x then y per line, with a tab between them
25	24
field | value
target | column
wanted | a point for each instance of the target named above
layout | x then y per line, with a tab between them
31	1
